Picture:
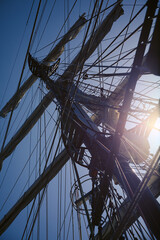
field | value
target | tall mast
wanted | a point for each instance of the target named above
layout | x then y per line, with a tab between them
100	33
123	179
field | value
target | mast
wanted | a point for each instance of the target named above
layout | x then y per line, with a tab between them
122	179
100	33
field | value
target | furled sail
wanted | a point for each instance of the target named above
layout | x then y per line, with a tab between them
104	28
50	172
52	56
93	41
25	128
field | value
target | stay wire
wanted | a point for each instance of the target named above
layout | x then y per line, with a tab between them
70	220
65	180
19	83
47	143
33	99
27	222
46	166
119	46
29	167
57	126
123	57
43	191
63	223
72	206
39	159
59	38
17	54
38	24
58	208
35	147
45	25
97	60
37	211
9	164
45	137
64	22
123	42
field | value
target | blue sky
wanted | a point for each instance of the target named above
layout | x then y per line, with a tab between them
13	19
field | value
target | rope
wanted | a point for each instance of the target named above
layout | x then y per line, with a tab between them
17	54
96	61
122	46
18	178
19	83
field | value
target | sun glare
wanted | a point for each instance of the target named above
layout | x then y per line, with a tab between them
154	137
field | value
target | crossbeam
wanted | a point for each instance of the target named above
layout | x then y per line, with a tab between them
50	172
98	36
130	87
52	56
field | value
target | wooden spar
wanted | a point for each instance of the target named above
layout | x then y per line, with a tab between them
93	133
115	99
120	129
32	119
147	205
100	33
83	117
72	33
93	42
107	230
153	184
46	177
50	172
25	128
88	101
52	56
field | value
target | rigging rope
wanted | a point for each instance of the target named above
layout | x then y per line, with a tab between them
96	61
19	83
17	54
73	230
59	38
122	46
45	26
35	147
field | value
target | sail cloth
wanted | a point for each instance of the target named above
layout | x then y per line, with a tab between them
49	173
116	12
52	56
93	42
47	176
25	128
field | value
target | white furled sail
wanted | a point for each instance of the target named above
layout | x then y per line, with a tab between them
51	57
